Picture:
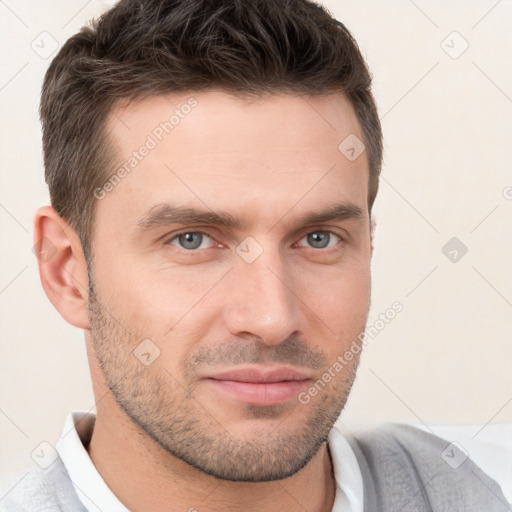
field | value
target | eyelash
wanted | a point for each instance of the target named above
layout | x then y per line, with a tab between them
173	237
203	233
328	231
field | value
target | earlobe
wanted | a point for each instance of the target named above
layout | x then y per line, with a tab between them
62	266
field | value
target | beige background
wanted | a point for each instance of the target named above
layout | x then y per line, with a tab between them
448	126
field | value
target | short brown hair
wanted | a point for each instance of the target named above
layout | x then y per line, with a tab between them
155	47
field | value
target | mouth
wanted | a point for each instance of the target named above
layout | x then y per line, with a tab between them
260	385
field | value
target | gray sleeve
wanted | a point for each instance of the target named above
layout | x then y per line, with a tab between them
405	469
41	490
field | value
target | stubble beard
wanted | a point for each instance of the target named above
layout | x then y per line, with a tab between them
168	412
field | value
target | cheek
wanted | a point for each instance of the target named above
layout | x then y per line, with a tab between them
341	301
168	307
133	303
139	289
339	292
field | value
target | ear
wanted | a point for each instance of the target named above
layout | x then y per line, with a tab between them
62	266
372	232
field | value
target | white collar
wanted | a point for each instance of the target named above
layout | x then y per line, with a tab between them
349	480
97	496
92	490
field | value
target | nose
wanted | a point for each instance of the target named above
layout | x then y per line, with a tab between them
260	300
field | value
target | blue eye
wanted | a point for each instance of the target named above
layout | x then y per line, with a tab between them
321	239
191	240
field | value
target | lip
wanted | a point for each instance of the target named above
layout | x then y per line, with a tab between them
260	385
261	374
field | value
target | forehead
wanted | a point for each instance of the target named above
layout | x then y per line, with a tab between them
215	120
214	150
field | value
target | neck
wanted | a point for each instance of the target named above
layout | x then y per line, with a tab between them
145	477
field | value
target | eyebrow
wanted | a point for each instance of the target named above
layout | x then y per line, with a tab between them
164	214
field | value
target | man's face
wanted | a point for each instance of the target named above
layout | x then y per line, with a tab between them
212	255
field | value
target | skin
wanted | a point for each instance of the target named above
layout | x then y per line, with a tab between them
164	434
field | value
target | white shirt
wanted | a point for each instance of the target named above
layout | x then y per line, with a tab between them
97	496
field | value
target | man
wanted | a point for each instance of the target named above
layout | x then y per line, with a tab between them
212	169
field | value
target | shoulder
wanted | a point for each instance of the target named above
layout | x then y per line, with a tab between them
405	467
38	489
